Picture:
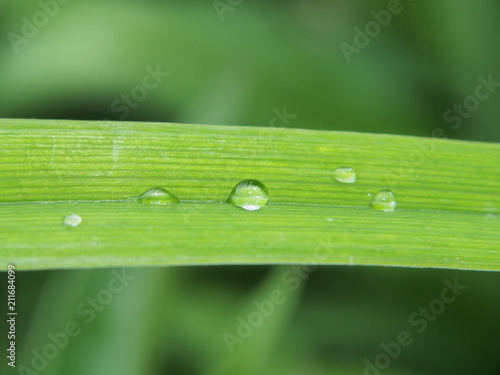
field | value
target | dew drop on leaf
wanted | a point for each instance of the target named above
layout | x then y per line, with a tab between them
249	194
384	200
72	220
345	175
157	196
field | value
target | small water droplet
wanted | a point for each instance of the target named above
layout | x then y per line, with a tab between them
329	219
384	200
249	194
158	196
346	175
72	220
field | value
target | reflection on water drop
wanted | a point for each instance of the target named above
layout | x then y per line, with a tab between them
72	220
346	175
384	200
157	196
249	194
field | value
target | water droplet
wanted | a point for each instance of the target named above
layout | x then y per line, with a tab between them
346	175
384	200
158	196
329	219
72	220
249	194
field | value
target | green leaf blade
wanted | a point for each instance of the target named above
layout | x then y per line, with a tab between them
447	194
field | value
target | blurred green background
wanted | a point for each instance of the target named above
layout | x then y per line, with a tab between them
256	63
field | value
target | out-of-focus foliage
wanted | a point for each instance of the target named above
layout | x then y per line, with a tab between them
261	56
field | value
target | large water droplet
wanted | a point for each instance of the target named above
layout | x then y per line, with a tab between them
249	194
384	200
346	175
158	196
72	220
